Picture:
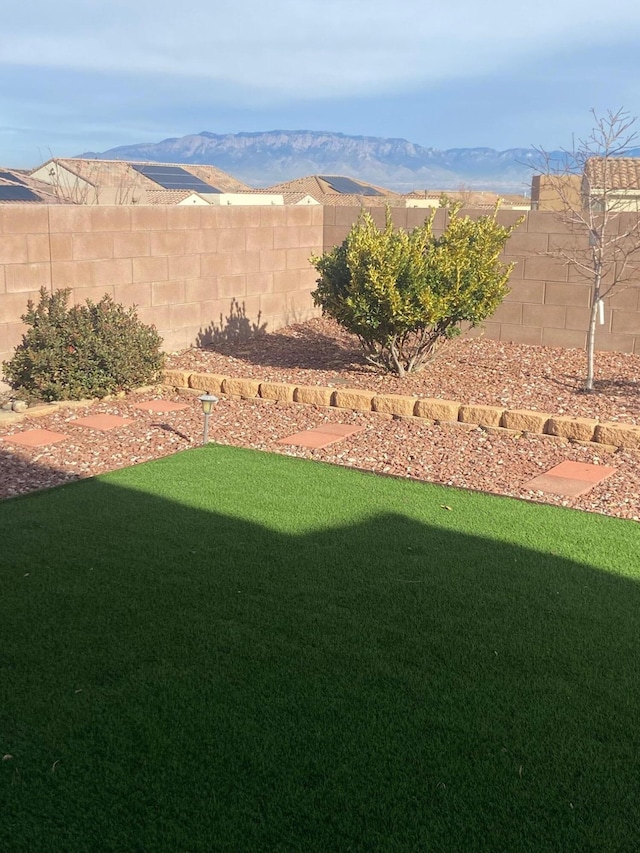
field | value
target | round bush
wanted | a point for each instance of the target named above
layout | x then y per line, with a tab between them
88	350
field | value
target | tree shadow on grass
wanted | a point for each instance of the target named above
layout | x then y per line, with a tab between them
182	672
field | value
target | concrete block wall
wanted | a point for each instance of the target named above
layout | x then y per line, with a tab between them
182	266
338	220
549	302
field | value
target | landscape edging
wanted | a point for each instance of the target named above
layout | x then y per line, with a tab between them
578	429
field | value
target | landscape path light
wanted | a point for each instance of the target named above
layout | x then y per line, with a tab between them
207	401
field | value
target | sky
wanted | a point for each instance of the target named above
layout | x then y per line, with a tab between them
89	75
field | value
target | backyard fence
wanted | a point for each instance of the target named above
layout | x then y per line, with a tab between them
204	273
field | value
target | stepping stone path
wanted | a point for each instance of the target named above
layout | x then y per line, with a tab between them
101	422
570	479
321	436
161	406
43	437
35	438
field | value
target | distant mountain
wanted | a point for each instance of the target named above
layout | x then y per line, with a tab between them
267	158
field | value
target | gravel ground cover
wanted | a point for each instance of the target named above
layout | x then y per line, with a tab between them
318	353
471	370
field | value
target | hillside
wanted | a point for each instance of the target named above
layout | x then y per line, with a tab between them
270	157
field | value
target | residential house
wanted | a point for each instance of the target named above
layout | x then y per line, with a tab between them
469	198
18	187
84	181
556	192
615	178
338	190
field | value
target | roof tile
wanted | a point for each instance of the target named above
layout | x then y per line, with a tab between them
617	173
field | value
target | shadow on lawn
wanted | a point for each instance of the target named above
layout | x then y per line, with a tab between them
175	677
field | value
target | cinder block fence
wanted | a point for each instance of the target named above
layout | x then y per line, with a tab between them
549	302
184	267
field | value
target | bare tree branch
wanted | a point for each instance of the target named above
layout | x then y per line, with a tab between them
590	191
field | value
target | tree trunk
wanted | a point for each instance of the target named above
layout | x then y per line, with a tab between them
396	358
591	341
591	334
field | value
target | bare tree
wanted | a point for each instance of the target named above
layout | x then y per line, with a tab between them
594	191
88	186
69	189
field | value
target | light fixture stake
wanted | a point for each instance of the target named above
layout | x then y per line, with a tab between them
207	401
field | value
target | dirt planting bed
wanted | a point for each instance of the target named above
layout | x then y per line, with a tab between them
477	372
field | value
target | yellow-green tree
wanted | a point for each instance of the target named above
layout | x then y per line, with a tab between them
404	294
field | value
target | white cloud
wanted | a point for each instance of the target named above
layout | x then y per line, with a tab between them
312	48
88	75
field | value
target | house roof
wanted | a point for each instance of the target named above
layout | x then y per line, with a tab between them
123	174
352	200
18	187
320	187
485	197
515	198
288	197
167	196
616	173
216	177
293	197
471	198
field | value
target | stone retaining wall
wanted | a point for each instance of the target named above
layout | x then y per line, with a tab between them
507	421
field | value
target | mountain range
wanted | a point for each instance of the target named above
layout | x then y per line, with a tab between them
266	158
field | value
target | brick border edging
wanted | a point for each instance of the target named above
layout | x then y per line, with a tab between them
511	421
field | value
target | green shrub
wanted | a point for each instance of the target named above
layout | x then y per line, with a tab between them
85	351
405	294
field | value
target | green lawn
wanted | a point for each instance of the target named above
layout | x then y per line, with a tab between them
226	650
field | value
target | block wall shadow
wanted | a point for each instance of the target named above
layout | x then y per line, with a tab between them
19	475
178	676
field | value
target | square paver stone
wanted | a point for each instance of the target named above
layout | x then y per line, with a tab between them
161	406
341	430
570	478
35	437
320	436
582	471
101	422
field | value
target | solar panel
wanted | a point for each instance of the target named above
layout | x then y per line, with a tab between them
9	177
174	178
16	193
348	185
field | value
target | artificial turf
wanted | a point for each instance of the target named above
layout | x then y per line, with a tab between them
227	650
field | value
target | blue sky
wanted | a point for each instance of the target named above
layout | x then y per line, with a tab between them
80	75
